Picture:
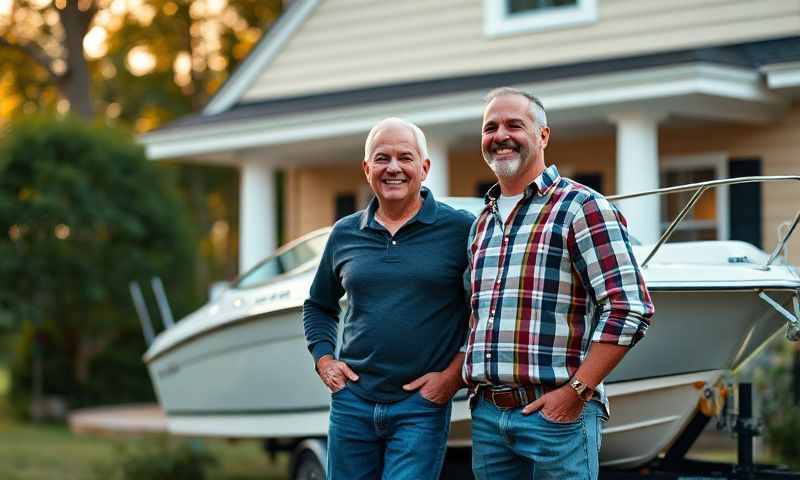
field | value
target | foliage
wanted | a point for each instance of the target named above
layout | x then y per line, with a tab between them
82	213
162	459
142	61
781	415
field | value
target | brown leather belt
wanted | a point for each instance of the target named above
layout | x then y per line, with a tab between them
508	397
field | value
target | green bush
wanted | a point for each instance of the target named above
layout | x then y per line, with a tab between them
158	460
780	414
82	214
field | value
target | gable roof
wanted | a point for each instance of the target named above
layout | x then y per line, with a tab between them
262	55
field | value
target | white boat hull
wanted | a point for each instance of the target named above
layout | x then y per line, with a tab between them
255	378
648	416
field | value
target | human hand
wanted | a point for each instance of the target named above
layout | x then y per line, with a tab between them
437	387
562	405
334	374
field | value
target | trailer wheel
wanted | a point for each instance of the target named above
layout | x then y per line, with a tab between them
309	468
308	460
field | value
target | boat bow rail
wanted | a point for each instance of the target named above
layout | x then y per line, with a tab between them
699	189
793	318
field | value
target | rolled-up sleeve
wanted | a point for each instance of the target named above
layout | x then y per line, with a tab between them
603	259
321	308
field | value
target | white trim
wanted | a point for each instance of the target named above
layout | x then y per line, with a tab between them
499	22
258	60
782	75
600	91
717	161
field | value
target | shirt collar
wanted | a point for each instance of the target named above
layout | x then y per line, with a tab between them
426	213
540	185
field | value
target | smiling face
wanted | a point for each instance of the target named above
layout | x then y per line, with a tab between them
511	143
394	167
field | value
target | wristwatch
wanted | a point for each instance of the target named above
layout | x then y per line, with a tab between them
584	391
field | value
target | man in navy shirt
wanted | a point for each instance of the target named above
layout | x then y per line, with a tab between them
401	263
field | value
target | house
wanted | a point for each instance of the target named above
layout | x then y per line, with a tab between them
639	94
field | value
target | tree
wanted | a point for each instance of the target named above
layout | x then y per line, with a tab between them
141	61
148	62
83	213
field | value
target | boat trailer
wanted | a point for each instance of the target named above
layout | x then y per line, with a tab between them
737	418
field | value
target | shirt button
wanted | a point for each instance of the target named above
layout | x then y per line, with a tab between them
488	355
505	239
497	282
394	242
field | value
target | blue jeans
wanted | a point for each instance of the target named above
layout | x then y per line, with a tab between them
509	445
392	441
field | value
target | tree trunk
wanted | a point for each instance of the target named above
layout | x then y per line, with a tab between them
75	84
87	349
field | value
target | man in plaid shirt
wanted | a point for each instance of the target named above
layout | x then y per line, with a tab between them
557	301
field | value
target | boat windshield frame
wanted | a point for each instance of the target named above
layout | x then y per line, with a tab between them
236	284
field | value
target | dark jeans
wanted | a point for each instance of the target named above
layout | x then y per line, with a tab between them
392	441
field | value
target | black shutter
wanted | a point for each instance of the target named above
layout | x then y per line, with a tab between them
345	205
745	202
591	180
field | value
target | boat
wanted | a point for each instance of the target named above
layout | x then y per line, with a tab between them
238	367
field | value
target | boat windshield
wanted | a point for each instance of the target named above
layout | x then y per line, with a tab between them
286	260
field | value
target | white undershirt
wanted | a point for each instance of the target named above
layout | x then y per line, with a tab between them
506	204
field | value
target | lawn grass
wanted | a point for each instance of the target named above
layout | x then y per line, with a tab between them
44	452
47	452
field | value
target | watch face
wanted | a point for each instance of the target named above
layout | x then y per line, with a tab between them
582	390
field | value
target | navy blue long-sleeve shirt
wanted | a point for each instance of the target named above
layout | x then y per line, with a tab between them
406	309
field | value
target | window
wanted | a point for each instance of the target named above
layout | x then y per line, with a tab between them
506	17
708	220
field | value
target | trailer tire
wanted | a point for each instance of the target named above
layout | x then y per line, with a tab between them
307	461
309	468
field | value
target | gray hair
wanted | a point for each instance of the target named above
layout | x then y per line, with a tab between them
422	144
537	108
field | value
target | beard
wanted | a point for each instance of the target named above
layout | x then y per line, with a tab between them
506	168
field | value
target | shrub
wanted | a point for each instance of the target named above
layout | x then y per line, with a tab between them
83	213
161	459
780	414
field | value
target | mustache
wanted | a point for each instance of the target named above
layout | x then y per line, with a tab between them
508	143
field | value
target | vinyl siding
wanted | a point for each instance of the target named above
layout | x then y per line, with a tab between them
311	193
347	44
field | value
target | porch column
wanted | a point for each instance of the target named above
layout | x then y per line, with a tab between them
438	180
637	170
257	213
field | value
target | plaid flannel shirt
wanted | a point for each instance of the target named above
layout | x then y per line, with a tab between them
558	276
